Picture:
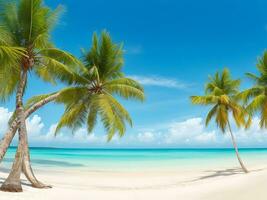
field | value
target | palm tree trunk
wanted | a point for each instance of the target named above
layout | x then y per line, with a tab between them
9	135
13	183
27	169
236	149
26	166
6	140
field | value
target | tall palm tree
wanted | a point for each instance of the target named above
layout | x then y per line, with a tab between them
255	98
27	25
221	94
93	94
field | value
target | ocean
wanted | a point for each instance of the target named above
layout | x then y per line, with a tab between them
137	159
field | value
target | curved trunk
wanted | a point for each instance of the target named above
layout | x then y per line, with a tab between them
236	150
9	135
13	183
26	166
27	169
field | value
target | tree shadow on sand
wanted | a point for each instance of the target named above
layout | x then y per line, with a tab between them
223	173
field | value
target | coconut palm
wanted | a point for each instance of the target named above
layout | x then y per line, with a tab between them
255	98
27	25
95	89
94	94
221	94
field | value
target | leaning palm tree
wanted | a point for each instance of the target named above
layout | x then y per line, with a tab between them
255	98
27	25
97	86
221	94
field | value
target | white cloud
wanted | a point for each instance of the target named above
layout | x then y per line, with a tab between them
146	137
34	125
188	133
66	138
180	134
253	136
160	82
39	136
4	117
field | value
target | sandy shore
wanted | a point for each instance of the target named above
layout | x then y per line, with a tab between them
218	184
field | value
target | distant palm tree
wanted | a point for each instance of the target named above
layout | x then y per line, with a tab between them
221	93
25	46
256	97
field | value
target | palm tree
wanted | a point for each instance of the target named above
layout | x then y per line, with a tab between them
27	25
95	88
221	94
258	93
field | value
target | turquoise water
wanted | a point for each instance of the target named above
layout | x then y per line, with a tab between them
132	159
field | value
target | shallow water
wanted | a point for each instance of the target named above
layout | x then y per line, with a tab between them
137	159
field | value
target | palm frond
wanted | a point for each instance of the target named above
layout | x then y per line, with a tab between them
204	100
252	77
73	117
125	88
246	95
91	119
73	95
263	115
211	114
61	56
222	118
9	77
119	109
256	103
56	69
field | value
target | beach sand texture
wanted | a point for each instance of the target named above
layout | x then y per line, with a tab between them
214	184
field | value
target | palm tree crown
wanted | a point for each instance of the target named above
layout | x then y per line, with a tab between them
97	86
221	93
25	28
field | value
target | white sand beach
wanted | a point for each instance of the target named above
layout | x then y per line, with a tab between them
213	184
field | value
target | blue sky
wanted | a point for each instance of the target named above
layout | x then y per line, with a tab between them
171	46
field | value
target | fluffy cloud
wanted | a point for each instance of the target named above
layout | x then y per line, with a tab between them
146	137
4	117
254	136
180	134
188	132
65	138
160	82
192	133
39	135
34	125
